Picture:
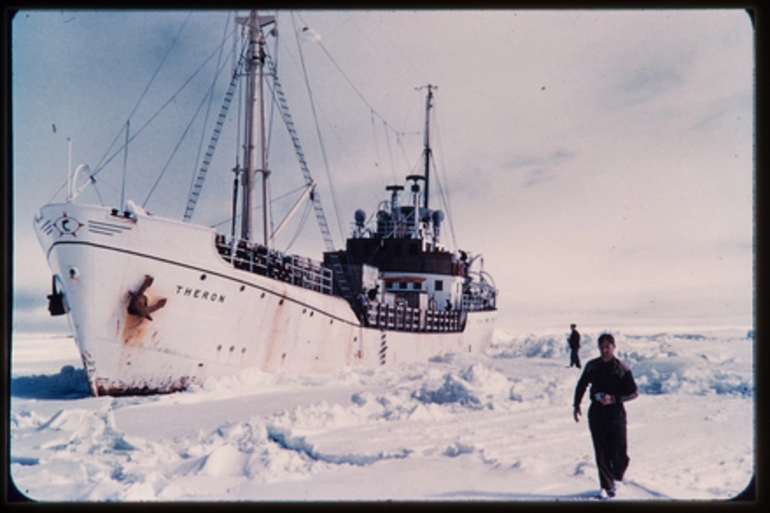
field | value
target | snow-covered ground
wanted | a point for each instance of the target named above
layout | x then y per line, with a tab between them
492	427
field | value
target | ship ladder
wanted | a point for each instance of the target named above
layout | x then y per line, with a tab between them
195	191
339	274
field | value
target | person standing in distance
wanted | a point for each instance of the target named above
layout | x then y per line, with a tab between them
612	384
574	346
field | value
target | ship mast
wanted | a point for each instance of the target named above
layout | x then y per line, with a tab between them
427	150
255	147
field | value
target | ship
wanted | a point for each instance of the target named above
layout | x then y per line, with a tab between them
157	304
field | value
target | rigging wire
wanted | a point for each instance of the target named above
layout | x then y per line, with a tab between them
208	108
273	109
376	145
93	182
273	200
238	115
390	156
125	166
318	130
350	82
388	127
161	109
98	194
396	68
237	170
300	226
443	194
146	89
403	149
347	153
274	102
444	197
181	139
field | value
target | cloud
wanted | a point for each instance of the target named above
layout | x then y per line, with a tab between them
528	161
643	135
538	168
538	176
714	115
646	82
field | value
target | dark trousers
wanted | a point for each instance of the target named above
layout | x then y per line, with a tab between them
608	431
574	358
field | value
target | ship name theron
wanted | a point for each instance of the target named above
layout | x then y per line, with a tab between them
181	290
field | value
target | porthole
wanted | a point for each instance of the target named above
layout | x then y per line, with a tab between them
203	277
280	302
262	295
243	287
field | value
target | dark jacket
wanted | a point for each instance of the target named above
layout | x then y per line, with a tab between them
574	339
612	377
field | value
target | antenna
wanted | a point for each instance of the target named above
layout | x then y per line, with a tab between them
427	150
69	169
125	167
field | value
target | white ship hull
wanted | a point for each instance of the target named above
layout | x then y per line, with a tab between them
217	320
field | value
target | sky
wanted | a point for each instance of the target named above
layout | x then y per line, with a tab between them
601	161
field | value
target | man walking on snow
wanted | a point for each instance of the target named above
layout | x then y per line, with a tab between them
612	384
574	346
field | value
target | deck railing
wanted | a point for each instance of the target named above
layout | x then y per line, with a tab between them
297	270
405	318
310	274
473	303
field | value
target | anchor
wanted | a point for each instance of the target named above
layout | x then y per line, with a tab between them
56	304
137	304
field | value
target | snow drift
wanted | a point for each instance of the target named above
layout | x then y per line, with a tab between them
496	426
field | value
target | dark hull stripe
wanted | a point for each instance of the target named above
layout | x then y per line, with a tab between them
199	269
242	282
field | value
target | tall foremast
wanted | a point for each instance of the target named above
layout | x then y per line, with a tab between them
255	146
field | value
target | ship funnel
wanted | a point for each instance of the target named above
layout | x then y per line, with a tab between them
394	190
438	217
394	204
415	219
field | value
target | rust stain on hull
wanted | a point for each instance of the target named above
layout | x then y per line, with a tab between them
137	318
135	329
139	304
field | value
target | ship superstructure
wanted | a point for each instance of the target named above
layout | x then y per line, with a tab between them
156	304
